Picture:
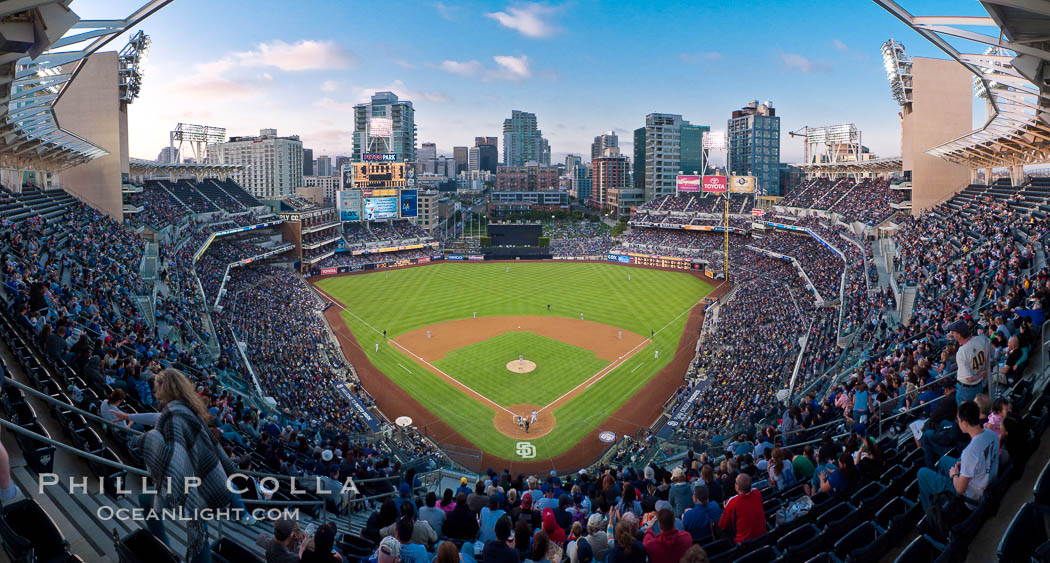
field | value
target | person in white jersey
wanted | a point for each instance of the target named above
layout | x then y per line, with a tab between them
970	474
973	358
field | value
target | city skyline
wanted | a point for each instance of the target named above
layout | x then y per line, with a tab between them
466	66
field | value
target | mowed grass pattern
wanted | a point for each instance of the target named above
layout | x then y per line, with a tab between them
414	297
483	368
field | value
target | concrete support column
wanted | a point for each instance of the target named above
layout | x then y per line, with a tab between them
988	176
1016	175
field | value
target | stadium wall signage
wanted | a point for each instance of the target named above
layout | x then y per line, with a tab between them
359	408
716	184
378	157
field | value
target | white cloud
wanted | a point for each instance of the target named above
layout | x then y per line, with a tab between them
701	57
398	87
329	86
444	10
794	61
330	104
528	19
465	68
305	54
511	68
839	45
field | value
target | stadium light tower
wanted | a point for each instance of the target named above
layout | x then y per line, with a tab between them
898	71
132	60
198	136
716	140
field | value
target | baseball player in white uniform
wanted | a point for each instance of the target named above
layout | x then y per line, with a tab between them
533	421
973	358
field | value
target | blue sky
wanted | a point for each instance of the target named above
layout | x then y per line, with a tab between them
582	66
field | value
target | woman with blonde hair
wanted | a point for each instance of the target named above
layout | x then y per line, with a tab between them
179	453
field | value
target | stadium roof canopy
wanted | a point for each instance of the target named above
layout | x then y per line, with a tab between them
875	165
1011	72
41	38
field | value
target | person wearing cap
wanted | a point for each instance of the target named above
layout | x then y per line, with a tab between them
596	537
502	547
389	551
668	545
680	493
463	488
972	359
527	512
551	527
282	546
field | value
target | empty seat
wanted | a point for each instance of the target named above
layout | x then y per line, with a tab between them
762	555
228	551
899	516
29	533
1041	490
802	543
839	519
864	544
40	456
1028	529
141	546
924	549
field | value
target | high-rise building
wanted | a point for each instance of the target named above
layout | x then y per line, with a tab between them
523	141
571	161
580	180
461	158
474	158
308	162
324	166
479	141
528	178
487	154
666	146
427	152
754	145
607	140
272	166
168	154
611	172
385	125
339	162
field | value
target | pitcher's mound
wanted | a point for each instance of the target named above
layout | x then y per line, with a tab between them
521	366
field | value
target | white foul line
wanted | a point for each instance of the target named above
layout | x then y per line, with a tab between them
433	367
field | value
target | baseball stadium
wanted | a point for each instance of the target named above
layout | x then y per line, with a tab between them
820	342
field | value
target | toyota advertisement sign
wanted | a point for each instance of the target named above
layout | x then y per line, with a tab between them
716	184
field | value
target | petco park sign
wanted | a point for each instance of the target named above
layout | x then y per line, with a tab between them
378	157
716	184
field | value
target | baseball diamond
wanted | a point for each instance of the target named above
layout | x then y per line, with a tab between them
458	369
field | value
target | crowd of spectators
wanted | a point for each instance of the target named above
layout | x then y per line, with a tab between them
578	238
348	259
870	202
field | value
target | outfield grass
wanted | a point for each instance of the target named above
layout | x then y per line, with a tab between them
402	300
483	368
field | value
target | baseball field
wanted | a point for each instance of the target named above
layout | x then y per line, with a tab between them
483	346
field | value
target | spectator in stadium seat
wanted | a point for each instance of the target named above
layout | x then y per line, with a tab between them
550	525
972	359
670	544
680	493
175	451
940	433
970	474
411	551
478	499
389	551
285	544
323	544
597	537
743	514
843	480
461	523
431	513
447	553
448	502
626	548
700	520
804	464
488	518
502	547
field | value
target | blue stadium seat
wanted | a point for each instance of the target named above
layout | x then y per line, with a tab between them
141	546
228	551
762	555
899	517
802	543
1041	490
864	544
1028	529
924	549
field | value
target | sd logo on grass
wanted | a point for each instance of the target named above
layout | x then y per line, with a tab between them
525	450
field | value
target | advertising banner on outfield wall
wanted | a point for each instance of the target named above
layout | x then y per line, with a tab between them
715	184
455	257
329	271
619	258
742	184
688	183
475	257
